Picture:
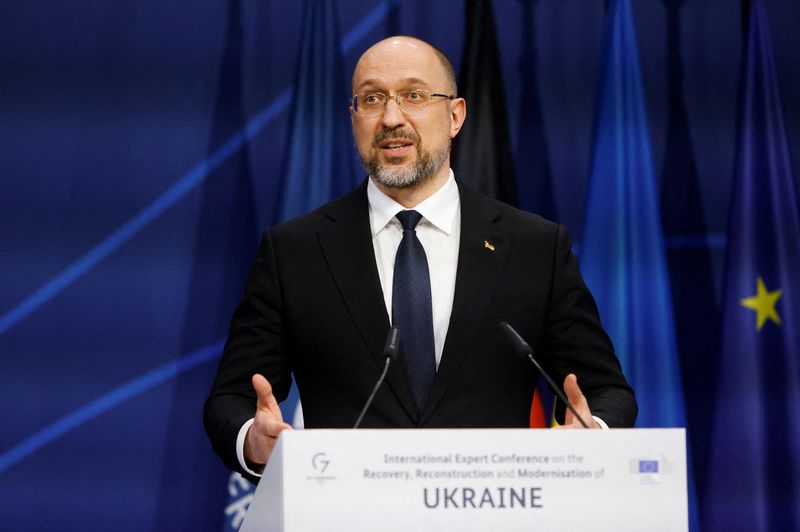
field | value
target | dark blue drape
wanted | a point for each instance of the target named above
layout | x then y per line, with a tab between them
144	145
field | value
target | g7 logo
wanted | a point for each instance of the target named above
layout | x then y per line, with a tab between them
320	462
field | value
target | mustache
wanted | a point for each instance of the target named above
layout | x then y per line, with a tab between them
396	134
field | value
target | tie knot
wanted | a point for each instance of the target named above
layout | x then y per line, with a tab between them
409	219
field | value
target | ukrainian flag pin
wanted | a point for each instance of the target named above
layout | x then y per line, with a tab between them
488	246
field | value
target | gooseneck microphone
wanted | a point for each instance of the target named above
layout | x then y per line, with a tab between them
390	352
524	350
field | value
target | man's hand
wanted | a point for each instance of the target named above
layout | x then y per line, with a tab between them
263	433
579	403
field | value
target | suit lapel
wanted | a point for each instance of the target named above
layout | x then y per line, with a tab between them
479	268
346	243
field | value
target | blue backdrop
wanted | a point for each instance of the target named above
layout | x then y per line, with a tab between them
144	145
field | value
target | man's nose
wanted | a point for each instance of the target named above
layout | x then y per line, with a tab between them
392	115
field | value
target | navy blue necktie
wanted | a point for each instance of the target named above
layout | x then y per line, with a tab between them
411	309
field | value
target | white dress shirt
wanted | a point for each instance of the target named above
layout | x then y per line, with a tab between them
438	231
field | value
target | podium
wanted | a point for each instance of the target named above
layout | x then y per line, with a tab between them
473	479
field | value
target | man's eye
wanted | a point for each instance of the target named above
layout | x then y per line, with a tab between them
414	96
372	99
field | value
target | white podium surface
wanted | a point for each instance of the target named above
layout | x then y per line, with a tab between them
473	479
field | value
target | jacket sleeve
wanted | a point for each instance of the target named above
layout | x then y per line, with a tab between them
574	341
256	344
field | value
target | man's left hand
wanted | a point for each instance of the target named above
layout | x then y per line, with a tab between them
579	403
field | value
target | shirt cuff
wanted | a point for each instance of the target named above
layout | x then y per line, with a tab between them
240	447
599	422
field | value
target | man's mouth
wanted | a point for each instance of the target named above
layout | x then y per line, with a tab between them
396	147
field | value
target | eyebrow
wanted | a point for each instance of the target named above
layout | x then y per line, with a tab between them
406	82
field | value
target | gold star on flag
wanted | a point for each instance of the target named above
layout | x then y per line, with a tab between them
764	304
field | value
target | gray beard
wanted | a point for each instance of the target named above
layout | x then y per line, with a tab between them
400	177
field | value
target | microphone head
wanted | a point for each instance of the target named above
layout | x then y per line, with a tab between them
521	347
392	345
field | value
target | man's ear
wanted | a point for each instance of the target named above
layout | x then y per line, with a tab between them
458	113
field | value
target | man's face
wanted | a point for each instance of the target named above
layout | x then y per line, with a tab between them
398	150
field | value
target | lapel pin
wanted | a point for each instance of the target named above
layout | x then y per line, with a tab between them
488	246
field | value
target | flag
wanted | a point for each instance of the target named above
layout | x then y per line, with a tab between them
226	239
754	478
319	163
482	152
534	177
694	300
623	257
318	166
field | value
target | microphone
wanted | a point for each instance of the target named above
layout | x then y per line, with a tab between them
390	352
524	350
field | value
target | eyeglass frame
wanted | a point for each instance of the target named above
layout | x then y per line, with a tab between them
396	98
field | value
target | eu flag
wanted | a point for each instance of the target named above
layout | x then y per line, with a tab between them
755	464
623	257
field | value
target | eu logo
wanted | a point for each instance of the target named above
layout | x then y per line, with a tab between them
648	466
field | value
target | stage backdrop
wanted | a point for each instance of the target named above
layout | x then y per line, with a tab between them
145	144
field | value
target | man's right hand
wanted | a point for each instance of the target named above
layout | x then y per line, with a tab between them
268	424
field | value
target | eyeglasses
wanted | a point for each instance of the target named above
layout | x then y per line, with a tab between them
411	102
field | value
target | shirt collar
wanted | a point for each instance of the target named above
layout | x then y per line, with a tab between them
439	209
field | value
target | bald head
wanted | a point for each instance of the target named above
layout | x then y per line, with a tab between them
406	152
406	50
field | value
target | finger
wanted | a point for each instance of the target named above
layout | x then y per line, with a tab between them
264	391
266	399
578	402
275	427
569	417
572	390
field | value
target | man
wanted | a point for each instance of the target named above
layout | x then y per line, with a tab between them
446	263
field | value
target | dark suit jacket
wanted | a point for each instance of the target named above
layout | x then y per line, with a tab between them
313	307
